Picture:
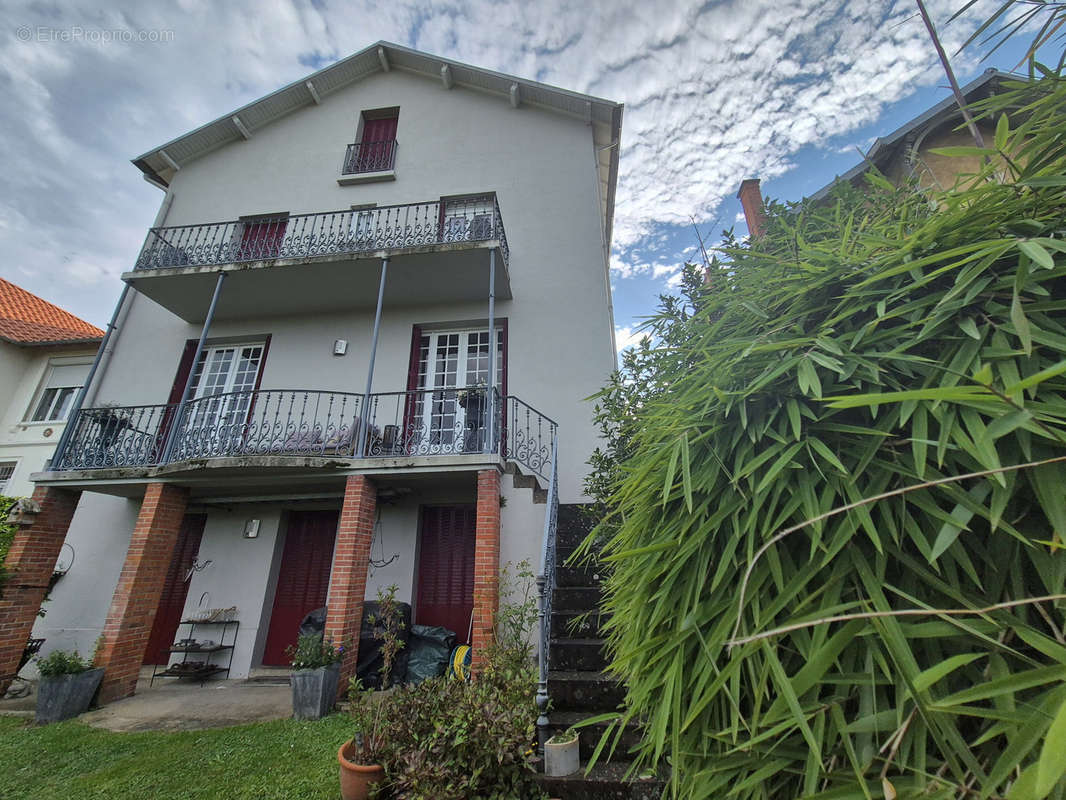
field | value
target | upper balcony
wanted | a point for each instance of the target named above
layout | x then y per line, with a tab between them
438	252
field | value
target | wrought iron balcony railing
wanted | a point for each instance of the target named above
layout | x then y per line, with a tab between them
467	219
369	157
297	422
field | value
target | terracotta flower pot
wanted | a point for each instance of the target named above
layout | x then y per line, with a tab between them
356	779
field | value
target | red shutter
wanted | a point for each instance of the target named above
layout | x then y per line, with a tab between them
303	579
175	589
375	151
445	594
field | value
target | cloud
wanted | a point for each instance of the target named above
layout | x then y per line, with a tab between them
626	336
714	92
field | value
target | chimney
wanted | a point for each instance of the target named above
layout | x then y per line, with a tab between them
751	199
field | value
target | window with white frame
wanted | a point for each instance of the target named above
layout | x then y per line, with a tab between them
7	469
61	384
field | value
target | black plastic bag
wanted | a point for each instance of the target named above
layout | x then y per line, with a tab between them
429	649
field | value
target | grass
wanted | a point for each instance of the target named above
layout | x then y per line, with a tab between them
265	761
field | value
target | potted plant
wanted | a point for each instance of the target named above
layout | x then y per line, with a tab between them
360	756
561	754
316	665
68	683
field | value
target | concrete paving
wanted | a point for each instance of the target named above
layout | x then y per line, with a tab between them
173	705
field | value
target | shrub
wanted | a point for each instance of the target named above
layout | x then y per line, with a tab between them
7	535
62	662
312	651
807	598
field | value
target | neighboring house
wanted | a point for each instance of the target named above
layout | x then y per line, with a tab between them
907	152
366	299
45	353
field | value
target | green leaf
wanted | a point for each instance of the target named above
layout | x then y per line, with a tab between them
925	679
969	327
960	518
1052	763
962	151
1046	180
1036	251
1002	132
1021	324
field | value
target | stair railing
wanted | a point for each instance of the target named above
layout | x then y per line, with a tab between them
545	591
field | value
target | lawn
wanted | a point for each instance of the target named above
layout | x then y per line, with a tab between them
265	761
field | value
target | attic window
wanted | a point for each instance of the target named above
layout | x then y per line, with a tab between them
375	151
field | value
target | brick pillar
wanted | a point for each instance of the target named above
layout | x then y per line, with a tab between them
140	585
351	558
486	564
30	562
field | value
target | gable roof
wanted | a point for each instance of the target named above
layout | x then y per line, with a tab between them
605	116
884	147
27	319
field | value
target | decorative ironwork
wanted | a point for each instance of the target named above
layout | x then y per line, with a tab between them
467	219
529	437
369	157
301	422
269	422
430	422
120	436
546	590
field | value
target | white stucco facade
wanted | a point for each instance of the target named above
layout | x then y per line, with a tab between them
25	444
543	168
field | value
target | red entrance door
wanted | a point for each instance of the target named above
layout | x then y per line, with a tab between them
175	588
446	569
376	148
303	579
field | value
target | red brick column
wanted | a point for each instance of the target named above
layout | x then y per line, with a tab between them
136	599
30	561
351	558
486	565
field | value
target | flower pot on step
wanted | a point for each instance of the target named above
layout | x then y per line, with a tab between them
314	691
561	757
61	697
356	779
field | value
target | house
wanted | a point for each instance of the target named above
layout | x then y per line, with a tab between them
907	152
45	355
362	326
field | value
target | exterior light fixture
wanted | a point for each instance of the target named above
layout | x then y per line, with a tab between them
251	529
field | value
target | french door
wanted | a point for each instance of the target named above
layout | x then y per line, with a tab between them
451	408
223	381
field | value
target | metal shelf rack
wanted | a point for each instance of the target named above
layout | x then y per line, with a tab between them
197	669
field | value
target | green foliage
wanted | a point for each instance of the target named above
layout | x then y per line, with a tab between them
312	651
7	535
450	739
387	624
282	760
871	343
63	662
453	739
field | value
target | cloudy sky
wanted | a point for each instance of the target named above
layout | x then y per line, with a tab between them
715	91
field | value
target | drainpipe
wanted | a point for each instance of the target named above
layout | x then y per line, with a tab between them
180	413
75	409
365	416
490	442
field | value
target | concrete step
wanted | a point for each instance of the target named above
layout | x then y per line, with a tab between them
581	690
604	782
586	655
578	625
576	598
573	526
591	735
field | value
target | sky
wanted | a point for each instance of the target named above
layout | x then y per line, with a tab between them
715	92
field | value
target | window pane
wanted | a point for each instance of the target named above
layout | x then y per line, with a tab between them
45	405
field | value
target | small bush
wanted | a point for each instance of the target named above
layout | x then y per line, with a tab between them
7	535
312	651
62	662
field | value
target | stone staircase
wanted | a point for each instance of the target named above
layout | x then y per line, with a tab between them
577	686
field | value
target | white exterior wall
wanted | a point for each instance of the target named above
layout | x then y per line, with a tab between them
30	444
560	345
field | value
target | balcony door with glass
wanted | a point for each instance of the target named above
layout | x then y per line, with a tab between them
451	404
224	381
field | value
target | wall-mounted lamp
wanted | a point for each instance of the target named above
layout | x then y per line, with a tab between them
251	529
340	347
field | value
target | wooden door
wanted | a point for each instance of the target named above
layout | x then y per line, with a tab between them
445	594
303	579
175	589
375	150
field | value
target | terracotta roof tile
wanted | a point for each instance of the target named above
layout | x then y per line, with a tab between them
27	319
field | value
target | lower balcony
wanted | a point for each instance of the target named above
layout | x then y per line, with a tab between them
259	427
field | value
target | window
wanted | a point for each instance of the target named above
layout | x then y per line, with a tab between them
376	149
7	469
61	383
226	376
